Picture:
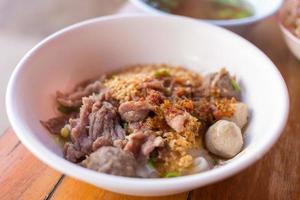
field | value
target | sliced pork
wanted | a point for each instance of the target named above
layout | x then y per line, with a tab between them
134	111
74	99
98	125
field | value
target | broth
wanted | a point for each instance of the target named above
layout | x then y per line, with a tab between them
204	9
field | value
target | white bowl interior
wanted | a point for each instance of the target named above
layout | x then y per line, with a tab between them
95	47
260	8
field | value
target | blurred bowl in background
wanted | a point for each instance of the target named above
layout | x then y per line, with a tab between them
292	41
261	10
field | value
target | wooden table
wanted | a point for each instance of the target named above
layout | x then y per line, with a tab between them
276	176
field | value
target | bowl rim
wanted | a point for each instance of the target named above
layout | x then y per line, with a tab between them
150	185
231	22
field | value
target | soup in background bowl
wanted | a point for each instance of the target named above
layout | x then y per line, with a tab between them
205	9
236	15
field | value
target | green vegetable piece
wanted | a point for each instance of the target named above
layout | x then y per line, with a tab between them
162	73
172	174
125	125
65	132
235	85
215	161
151	163
153	159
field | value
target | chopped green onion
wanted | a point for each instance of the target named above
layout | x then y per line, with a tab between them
65	131
125	125
162	73
172	174
235	85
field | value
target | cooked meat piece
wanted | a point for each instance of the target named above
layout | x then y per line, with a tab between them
98	125
119	143
54	125
100	142
135	127
135	141
74	99
240	116
179	119
155	97
177	122
76	152
154	84
81	143
182	92
105	122
79	126
134	111
162	154
72	153
224	139
220	82
141	144
151	143
223	81
112	160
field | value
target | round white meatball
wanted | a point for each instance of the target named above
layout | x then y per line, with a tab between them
240	115
224	138
200	164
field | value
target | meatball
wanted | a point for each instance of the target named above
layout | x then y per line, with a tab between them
146	171
224	139
112	160
200	164
240	115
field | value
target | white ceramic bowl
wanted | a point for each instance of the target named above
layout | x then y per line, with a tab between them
101	45
261	8
291	40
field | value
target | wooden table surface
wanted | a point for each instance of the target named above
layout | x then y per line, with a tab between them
275	176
